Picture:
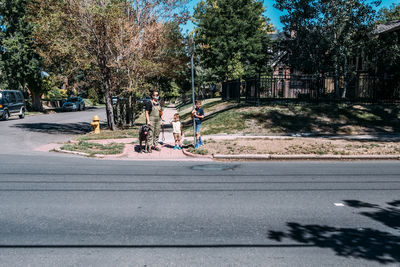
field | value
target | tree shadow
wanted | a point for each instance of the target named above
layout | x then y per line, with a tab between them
209	115
364	243
57	128
331	118
389	216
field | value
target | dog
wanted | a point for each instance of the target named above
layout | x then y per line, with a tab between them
144	136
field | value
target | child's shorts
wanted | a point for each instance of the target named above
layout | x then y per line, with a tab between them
198	126
177	137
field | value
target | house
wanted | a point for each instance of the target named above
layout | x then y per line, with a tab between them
389	27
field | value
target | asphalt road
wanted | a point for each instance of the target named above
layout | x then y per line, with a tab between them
22	136
58	210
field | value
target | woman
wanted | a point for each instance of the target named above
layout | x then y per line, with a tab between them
153	118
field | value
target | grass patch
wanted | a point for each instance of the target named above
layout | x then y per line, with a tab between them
208	105
32	113
132	132
107	134
94	148
283	118
229	121
186	142
198	151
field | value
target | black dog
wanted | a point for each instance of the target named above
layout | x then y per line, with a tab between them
144	136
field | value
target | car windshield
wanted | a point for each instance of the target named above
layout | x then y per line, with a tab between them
73	99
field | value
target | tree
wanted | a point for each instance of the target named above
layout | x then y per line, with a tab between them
171	62
119	40
325	33
389	14
383	51
20	65
232	37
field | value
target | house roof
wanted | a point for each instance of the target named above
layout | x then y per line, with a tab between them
387	27
278	58
278	36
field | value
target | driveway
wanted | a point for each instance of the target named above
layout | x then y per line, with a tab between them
21	137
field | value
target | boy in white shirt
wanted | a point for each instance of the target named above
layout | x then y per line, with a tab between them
177	131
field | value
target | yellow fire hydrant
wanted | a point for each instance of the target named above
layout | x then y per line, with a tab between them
96	124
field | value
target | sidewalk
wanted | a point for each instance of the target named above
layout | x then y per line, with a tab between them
167	153
167	142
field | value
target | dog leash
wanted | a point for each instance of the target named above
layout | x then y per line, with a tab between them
162	131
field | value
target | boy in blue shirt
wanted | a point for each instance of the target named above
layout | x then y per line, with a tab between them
198	115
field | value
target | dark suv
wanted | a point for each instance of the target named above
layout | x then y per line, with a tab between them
11	103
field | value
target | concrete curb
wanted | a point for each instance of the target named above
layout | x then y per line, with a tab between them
79	153
244	156
306	157
187	153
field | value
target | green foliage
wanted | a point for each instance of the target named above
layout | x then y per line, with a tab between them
52	91
93	96
94	148
383	51
55	94
235	68
20	65
389	14
326	33
231	37
199	151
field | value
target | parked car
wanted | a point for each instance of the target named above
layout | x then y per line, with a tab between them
12	102
73	104
144	100
114	100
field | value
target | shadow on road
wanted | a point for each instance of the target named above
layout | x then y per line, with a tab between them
56	128
364	243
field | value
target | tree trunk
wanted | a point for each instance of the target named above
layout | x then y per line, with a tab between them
36	101
117	113
129	110
124	112
109	109
345	77
107	82
134	105
336	80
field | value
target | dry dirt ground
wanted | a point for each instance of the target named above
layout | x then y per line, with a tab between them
317	146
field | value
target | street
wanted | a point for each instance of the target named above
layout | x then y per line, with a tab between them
23	136
59	210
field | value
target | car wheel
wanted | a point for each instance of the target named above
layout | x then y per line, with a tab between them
83	107
6	115
22	115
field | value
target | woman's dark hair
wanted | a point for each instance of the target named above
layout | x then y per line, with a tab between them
152	92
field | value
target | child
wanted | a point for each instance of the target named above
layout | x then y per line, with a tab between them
177	131
198	115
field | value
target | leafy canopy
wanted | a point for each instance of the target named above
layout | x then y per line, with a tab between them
20	65
232	37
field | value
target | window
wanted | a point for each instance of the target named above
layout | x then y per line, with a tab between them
13	99
19	97
6	97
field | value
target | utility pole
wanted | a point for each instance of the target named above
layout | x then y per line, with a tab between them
191	49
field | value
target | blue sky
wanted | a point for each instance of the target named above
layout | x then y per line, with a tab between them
271	12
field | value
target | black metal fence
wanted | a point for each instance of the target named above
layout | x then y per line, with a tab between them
307	87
